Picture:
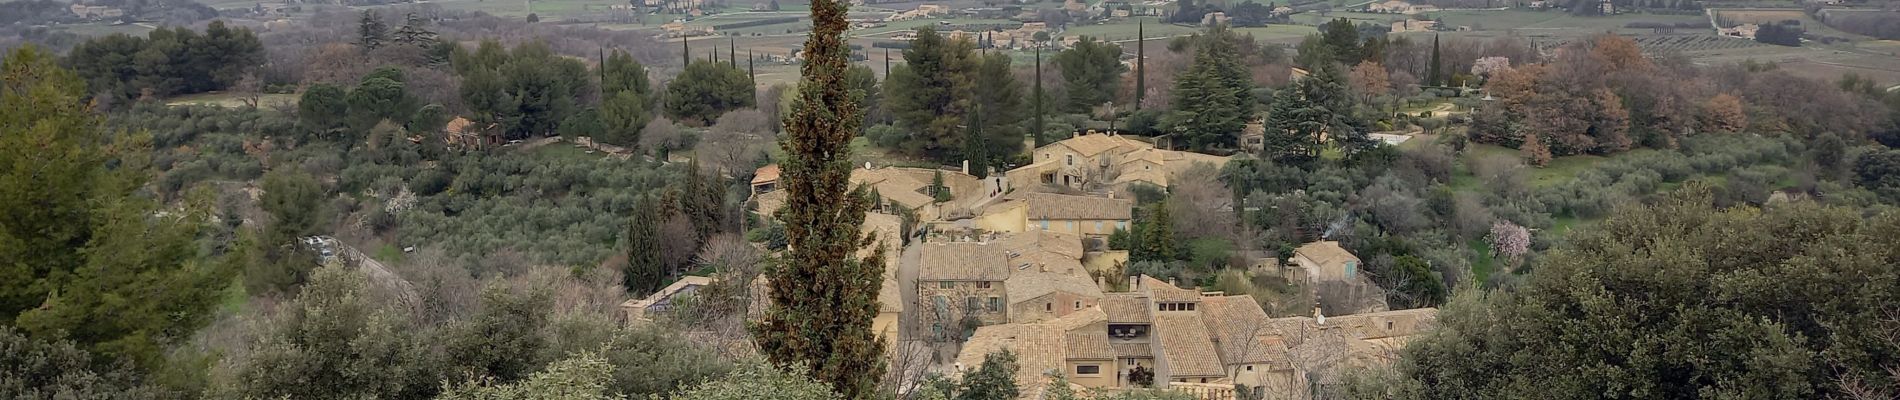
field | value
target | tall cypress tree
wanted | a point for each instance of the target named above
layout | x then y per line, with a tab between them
823	295
1035	127
644	270
686	53
1141	63
1432	72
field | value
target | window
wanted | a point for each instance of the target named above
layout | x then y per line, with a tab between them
1048	306
1250	368
943	304
969	303
1078	306
1098	226
1388	325
1352	268
1190	306
1045	224
1071	159
1089	369
946	285
936	329
996	303
1203	380
983	285
1131	361
1122	225
1072	226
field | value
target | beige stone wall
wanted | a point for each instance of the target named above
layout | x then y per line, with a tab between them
1013	218
1105	261
956	304
1048	307
1083	227
1103	377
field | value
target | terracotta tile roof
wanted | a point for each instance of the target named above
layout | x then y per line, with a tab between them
1091	145
1040	347
1324	252
1240	330
457	125
1186	345
1043	241
1047	206
1062	274
963	261
1161	291
765	174
1127	308
1133	350
1089	344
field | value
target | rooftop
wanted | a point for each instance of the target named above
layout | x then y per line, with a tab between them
1126	308
1324	252
1187	347
765	174
1044	206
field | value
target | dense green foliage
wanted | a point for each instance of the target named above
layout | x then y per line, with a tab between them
1091	74
1214	99
83	256
166	62
1681	300
707	90
35	369
527	91
928	92
823	295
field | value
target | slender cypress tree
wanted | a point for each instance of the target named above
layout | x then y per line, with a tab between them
823	296
1141	63
644	270
751	71
1432	73
1035	126
686	53
732	51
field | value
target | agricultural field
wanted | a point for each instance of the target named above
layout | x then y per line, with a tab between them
1694	44
1557	23
1729	16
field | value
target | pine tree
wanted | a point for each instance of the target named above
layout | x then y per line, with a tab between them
84	256
644	268
823	296
371	31
999	111
1213	99
1432	73
414	33
1091	73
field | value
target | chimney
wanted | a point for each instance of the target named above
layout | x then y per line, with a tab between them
1317	315
966	167
1042	267
1172	283
1101	282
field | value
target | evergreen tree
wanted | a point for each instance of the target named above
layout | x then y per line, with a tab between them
337	339
414	32
707	90
1343	38
1141	63
1036	127
925	93
622	117
644	271
322	107
380	98
1091	73
994	380
621	73
1327	109
371	31
1433	74
1157	235
998	115
1214	99
84	257
1285	140
823	296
